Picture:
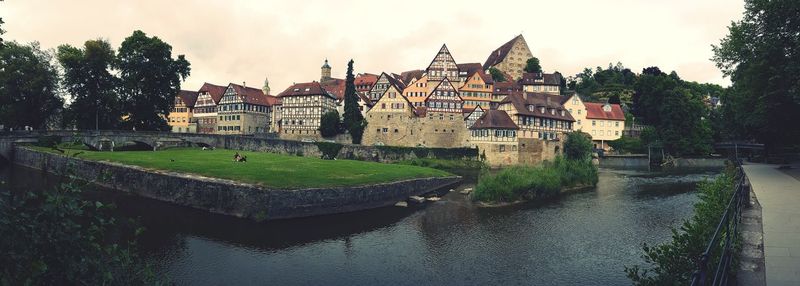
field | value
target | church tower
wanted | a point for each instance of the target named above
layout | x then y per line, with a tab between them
266	86
326	72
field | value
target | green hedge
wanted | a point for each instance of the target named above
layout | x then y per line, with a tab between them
329	150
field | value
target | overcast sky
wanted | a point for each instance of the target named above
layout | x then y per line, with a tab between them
287	41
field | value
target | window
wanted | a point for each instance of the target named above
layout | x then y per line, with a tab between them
594	122
579	111
579	122
385	130
616	133
616	124
601	123
502	148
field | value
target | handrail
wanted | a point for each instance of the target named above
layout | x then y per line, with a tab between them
728	227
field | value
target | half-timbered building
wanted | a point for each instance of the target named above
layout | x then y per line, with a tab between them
303	105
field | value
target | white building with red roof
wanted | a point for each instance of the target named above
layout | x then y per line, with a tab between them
603	121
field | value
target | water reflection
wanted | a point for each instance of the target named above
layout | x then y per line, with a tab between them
582	238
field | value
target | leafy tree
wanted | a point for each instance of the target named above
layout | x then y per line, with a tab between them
353	119
614	99
650	91
28	86
627	144
497	75
330	124
58	238
1	32
533	66
652	71
87	76
150	80
761	55
578	146
616	79
683	130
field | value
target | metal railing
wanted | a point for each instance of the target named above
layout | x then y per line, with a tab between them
721	245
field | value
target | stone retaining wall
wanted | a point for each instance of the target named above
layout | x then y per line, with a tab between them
229	197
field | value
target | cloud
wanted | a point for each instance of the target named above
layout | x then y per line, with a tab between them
246	41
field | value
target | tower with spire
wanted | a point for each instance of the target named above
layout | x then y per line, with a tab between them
266	86
326	72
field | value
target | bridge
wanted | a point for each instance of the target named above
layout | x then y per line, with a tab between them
108	140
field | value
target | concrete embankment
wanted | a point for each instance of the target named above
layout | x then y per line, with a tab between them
641	161
225	196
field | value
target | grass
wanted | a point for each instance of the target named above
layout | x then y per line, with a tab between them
266	169
539	182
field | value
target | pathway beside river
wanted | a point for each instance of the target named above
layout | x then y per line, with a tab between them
779	196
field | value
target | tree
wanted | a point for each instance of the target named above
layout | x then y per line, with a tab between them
532	65
1	32
57	238
353	120
578	146
28	86
682	129
87	76
497	75
329	124
761	55
150	80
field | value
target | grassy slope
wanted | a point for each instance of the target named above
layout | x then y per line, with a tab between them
267	169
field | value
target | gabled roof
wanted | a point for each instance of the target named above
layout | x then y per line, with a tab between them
305	89
216	91
395	82
542	78
407	76
469	111
188	97
500	53
595	111
520	102
253	96
440	84
494	119
445	50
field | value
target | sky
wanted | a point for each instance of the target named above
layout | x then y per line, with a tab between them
287	41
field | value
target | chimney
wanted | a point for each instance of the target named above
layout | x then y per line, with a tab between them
244	83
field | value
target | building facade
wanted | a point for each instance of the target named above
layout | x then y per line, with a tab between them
538	115
303	105
605	122
541	82
244	110
180	117
205	108
510	58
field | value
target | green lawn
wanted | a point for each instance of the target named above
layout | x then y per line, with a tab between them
267	169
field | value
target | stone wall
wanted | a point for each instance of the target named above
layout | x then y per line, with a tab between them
625	161
229	197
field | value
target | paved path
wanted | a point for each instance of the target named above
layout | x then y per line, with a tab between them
779	196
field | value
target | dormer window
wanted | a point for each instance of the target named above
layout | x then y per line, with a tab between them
296	89
552	111
562	113
308	89
607	107
541	109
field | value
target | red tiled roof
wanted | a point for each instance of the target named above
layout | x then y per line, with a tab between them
494	119
306	88
500	53
365	79
544	79
595	111
188	97
335	86
254	96
216	91
521	102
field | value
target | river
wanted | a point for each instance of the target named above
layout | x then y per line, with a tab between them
583	238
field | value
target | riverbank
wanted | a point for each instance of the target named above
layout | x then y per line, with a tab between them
237	198
263	169
525	183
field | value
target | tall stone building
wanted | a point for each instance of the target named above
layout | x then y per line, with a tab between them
326	72
510	58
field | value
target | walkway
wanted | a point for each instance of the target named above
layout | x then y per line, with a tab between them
779	196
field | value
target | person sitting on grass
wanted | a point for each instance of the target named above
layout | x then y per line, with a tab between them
239	158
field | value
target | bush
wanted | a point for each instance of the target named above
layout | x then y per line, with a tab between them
627	144
48	141
540	182
674	262
578	146
329	150
329	124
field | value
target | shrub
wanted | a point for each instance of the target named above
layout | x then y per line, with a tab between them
329	124
48	141
673	263
578	146
627	144
539	182
329	150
